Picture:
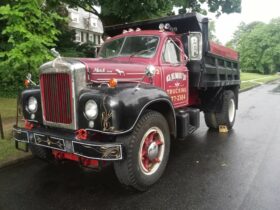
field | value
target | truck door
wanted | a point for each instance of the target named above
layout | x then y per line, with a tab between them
175	79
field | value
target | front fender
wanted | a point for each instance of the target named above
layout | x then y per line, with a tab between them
120	107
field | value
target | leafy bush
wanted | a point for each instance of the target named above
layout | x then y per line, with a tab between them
30	32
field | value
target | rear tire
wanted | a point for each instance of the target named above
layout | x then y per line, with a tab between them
147	151
41	152
227	114
210	120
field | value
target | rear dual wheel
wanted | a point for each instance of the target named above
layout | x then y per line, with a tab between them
147	151
227	114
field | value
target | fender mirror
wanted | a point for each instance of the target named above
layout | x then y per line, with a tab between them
195	45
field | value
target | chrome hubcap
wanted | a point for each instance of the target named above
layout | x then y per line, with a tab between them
151	151
231	110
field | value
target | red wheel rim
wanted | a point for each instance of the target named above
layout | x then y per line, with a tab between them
151	151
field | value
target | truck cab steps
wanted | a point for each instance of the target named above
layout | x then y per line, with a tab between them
188	120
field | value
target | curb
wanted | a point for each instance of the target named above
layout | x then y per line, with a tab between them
15	161
250	88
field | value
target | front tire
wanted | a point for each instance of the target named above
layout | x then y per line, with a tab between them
147	152
41	152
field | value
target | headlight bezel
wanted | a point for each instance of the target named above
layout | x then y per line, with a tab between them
32	101
93	105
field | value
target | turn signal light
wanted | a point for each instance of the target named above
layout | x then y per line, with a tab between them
26	83
113	83
28	125
81	134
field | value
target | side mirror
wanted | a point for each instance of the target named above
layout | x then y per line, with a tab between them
28	80
195	46
150	71
28	76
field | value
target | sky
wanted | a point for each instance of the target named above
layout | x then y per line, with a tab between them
252	10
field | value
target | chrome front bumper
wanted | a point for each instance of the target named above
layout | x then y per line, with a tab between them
67	143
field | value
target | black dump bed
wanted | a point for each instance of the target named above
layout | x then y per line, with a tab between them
214	70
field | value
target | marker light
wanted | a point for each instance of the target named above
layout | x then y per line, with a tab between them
161	27
26	83
113	83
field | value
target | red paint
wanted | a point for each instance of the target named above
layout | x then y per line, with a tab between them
56	92
103	70
152	137
28	125
59	155
81	134
194	98
223	51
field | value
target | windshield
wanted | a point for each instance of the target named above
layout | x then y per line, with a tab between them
138	46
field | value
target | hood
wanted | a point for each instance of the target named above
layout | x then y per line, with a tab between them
124	70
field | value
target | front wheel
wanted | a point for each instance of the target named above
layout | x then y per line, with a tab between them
41	152
147	152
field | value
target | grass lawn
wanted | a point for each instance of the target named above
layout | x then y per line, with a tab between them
7	147
252	79
8	151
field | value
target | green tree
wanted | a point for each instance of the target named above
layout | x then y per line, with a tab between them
30	32
215	6
241	31
121	11
212	32
259	48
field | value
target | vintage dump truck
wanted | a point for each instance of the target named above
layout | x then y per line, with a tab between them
148	86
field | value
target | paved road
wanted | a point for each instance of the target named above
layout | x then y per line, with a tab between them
239	170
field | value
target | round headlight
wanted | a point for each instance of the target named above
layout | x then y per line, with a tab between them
32	104
91	109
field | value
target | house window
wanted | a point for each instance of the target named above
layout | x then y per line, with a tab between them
78	37
74	17
93	22
82	36
90	37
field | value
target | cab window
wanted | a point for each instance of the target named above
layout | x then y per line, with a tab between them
171	53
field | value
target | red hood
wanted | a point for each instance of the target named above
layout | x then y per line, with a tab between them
102	70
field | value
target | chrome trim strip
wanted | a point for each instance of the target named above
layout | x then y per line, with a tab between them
36	134
135	73
108	145
32	121
105	73
19	130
